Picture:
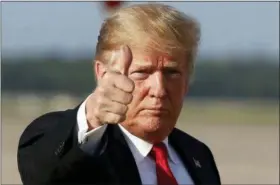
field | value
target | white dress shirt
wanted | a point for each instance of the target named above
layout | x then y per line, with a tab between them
139	148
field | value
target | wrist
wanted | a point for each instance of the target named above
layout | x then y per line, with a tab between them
92	121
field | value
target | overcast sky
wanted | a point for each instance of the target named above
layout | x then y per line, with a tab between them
227	27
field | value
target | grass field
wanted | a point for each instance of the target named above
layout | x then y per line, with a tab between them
243	135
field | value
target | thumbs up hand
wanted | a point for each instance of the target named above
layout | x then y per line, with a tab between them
108	103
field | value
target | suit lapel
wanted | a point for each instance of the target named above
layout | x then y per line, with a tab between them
121	158
188	156
123	167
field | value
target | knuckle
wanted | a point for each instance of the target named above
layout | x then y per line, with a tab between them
96	112
112	118
116	118
122	78
107	119
117	108
122	109
127	98
129	84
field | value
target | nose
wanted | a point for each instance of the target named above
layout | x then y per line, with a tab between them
158	86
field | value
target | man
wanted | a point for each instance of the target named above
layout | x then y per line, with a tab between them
123	133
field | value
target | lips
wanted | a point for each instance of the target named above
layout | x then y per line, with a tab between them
155	111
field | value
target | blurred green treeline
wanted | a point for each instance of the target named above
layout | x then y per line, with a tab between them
243	77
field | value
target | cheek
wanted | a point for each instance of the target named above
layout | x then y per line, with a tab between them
140	90
177	91
178	85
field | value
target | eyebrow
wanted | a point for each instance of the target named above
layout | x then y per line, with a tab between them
142	64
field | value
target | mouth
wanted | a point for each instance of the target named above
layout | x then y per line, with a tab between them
155	111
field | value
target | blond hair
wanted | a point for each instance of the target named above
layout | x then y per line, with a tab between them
150	27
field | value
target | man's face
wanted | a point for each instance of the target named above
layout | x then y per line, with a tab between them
161	83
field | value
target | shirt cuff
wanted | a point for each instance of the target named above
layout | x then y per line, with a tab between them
88	140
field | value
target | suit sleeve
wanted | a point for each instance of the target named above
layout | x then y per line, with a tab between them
48	150
88	140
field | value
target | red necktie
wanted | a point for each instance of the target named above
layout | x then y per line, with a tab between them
164	174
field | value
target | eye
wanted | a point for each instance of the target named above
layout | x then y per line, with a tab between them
172	72
140	74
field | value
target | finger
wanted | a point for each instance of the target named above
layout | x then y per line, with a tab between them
109	117
116	108
118	95
124	83
121	60
119	81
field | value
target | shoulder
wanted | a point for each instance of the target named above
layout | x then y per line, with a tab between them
46	123
48	120
187	138
189	142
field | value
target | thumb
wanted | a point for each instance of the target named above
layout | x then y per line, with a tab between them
121	60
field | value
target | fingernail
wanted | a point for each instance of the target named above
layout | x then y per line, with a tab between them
113	56
123	48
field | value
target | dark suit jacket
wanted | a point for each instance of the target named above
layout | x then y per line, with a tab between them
48	153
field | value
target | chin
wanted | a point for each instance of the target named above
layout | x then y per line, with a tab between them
154	128
150	127
151	123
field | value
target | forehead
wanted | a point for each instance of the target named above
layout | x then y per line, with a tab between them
154	58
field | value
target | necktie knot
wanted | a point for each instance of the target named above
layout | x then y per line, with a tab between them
159	152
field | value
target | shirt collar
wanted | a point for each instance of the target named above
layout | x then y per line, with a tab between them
141	148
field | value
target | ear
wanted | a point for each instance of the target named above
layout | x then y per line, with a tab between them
99	69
